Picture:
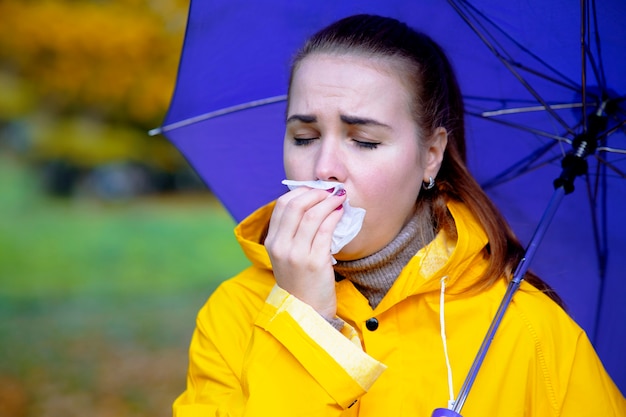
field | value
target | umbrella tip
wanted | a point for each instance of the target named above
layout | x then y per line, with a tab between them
155	131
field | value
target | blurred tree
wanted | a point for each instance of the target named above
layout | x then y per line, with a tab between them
116	59
83	81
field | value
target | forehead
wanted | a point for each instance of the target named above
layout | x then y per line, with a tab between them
350	77
386	65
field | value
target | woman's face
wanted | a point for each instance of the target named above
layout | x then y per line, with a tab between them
349	121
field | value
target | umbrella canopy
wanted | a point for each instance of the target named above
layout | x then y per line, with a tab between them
526	78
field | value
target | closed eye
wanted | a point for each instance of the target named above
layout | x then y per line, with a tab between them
366	145
303	141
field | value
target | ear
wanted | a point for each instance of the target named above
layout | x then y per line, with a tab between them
434	153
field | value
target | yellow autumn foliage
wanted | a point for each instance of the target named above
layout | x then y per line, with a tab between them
116	59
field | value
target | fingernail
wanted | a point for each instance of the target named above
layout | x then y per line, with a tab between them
339	207
330	190
341	192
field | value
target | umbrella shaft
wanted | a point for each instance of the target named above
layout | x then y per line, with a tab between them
513	286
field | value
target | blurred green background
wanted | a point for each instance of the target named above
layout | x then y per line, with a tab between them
109	244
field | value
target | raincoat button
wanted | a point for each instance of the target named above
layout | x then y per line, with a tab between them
371	324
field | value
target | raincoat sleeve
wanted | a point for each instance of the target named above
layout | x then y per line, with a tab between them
602	397
280	358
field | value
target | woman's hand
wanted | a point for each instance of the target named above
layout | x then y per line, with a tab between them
298	242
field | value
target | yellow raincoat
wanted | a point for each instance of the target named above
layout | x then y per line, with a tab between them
258	351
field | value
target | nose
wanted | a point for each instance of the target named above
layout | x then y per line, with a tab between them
330	164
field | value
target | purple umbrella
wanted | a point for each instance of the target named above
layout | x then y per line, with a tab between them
540	78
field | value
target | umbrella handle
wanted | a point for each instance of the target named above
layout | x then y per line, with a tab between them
444	412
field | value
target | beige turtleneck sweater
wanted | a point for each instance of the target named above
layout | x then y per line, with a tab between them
374	275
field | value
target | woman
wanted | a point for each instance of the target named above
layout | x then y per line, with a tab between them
391	323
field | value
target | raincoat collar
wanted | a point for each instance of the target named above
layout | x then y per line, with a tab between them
445	257
250	234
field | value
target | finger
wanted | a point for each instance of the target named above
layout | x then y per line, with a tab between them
311	244
289	211
292	235
279	208
322	241
314	219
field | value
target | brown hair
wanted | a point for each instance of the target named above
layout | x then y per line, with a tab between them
437	103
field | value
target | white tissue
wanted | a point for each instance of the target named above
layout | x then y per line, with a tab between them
351	220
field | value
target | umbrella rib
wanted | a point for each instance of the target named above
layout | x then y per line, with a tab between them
517	110
600	74
612	150
608	133
216	113
522	166
572	86
596	71
586	29
498	99
511	174
567	82
469	11
621	120
583	53
595	192
599	225
610	166
521	127
510	67
600	235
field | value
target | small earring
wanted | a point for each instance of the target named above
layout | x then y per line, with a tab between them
430	185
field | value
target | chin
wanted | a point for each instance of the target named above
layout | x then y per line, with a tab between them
361	247
351	252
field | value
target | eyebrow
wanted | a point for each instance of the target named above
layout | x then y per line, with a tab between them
354	120
302	118
349	120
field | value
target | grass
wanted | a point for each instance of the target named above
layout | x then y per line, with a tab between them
98	300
